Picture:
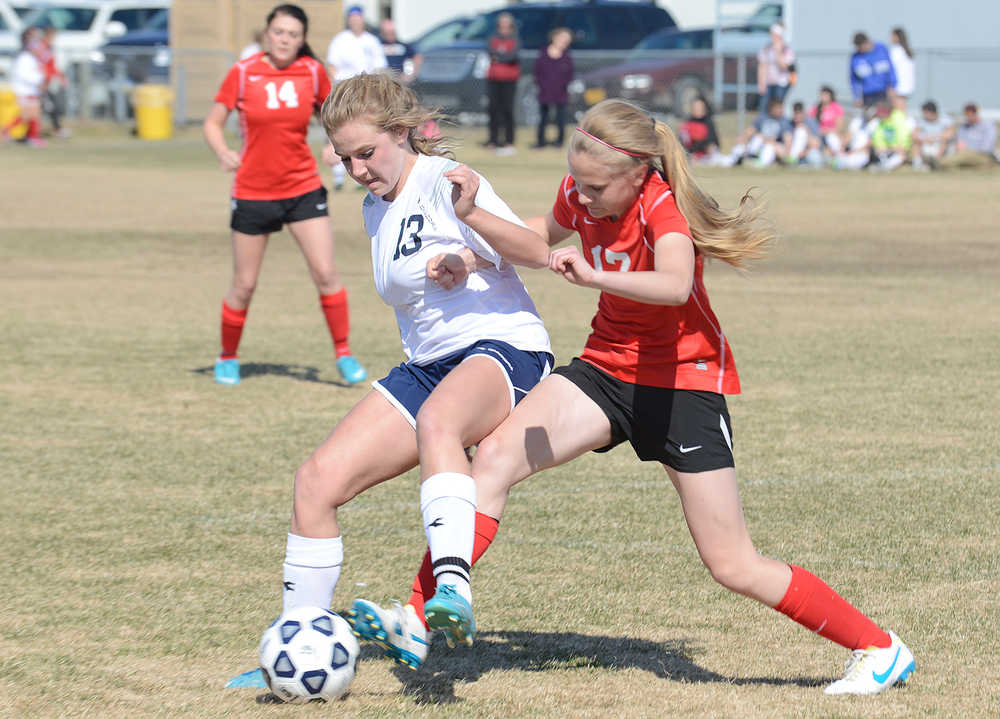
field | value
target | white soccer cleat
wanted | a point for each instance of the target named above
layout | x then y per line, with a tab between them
398	630
873	670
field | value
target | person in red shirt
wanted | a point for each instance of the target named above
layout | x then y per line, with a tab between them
501	83
277	183
655	370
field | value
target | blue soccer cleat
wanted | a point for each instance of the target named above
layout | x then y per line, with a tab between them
397	630
351	370
227	371
449	612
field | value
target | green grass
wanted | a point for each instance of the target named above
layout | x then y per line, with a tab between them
142	527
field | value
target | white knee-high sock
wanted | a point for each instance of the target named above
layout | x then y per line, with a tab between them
311	570
448	505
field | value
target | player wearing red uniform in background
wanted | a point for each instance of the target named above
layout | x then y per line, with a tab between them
277	182
654	372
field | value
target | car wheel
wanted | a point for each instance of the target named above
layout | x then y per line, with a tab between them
684	91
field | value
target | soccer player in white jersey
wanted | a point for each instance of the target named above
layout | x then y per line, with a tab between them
473	349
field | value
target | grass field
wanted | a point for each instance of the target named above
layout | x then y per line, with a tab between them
145	507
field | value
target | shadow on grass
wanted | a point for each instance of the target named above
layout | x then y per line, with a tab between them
435	682
299	372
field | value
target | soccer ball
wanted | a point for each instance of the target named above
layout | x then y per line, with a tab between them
308	654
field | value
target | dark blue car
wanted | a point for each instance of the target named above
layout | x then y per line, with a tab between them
139	56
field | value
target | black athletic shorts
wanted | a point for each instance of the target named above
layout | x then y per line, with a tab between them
262	217
685	429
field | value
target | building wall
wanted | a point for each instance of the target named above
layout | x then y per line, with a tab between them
207	35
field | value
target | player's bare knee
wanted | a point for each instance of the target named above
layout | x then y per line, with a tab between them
731	573
492	459
434	425
318	490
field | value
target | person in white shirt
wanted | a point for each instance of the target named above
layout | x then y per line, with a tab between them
473	348
352	51
932	137
902	62
27	78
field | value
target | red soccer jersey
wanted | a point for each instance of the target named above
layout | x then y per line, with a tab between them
680	347
275	107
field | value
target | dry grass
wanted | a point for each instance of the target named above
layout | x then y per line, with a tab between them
145	506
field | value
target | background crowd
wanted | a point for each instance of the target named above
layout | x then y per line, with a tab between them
878	130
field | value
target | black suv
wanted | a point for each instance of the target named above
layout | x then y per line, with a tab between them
453	77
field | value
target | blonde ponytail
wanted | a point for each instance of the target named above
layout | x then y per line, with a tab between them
623	135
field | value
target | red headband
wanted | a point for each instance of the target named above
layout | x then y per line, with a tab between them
609	145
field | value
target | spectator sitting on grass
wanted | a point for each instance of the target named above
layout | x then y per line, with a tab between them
697	134
891	137
829	114
977	139
802	144
932	137
761	139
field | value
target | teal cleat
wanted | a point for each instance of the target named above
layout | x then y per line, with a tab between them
397	630
450	612
351	370
253	679
227	371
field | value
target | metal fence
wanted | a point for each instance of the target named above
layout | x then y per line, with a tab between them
664	82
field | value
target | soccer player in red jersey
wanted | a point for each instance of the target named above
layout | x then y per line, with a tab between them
277	182
655	370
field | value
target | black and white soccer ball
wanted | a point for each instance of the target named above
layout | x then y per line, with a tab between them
308	654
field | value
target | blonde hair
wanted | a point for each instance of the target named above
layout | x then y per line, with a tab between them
733	237
385	102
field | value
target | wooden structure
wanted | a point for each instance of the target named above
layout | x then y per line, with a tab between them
206	37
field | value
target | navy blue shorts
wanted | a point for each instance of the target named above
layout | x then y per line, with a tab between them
408	385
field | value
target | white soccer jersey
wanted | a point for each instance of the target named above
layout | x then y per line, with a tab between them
421	223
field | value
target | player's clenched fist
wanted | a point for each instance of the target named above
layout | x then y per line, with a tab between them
568	262
447	270
465	185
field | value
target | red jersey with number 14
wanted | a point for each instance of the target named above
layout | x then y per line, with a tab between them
678	347
275	108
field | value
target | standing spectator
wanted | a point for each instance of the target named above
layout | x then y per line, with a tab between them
829	115
553	73
352	51
932	137
276	94
977	139
255	46
801	144
27	79
698	135
903	65
54	86
400	56
501	83
872	75
774	67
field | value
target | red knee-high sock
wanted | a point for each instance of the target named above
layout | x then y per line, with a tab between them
424	584
338	320
34	129
232	330
811	603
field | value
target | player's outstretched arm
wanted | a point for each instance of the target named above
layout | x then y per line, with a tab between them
669	283
516	244
548	229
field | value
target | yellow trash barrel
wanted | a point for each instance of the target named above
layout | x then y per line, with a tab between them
9	111
153	111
